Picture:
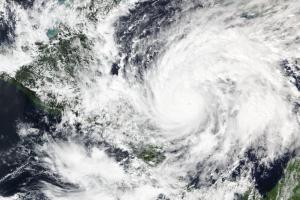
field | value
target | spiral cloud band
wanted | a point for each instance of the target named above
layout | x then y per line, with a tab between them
149	99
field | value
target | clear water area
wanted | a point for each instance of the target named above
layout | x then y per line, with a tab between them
19	171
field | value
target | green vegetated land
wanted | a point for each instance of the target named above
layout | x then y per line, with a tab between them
288	188
152	155
31	95
60	60
57	64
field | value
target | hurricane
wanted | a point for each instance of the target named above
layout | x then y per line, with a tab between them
149	100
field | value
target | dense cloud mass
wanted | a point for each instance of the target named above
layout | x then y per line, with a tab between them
149	100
